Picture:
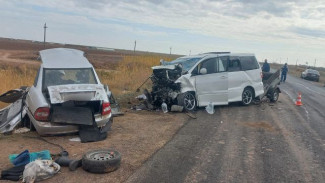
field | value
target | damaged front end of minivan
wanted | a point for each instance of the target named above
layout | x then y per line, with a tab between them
169	82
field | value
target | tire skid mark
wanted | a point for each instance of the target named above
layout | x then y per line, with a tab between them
299	150
226	155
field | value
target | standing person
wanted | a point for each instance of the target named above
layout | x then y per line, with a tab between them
266	66
284	71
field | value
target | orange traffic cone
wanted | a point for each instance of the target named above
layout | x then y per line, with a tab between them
298	101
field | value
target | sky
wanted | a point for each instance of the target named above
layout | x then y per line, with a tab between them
278	30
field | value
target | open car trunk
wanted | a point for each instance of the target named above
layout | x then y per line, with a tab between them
76	104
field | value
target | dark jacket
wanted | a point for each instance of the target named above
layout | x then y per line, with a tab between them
266	67
284	69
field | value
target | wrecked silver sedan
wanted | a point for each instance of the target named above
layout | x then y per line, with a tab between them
66	94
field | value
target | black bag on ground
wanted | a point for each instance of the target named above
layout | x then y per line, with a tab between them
14	173
91	133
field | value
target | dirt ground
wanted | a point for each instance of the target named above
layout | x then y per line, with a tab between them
137	135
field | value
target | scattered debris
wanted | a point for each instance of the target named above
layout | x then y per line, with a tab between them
177	108
12	115
40	170
141	97
64	160
164	107
75	139
14	173
26	157
210	108
21	130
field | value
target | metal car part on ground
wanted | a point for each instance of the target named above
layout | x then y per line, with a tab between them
11	115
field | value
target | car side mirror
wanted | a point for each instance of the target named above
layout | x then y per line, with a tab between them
203	71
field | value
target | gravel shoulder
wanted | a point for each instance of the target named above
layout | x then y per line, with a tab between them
136	135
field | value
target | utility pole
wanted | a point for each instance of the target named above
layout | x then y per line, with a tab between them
170	50
297	63
135	45
315	64
45	27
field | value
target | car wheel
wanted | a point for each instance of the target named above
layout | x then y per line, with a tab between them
275	96
188	101
317	80
101	161
247	96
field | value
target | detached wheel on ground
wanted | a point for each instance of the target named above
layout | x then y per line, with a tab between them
247	96
275	96
187	100
101	161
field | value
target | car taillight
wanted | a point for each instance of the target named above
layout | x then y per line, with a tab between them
262	75
106	108
42	114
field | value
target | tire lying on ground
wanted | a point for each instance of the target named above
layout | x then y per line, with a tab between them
101	161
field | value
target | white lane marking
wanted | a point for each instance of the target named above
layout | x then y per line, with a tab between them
307	114
292	98
309	88
294	101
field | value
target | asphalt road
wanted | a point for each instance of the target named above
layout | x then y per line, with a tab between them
277	142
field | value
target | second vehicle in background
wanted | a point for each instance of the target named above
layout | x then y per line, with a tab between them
310	74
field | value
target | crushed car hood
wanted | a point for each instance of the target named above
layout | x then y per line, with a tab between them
170	67
76	92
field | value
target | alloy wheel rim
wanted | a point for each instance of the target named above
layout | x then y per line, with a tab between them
189	101
247	97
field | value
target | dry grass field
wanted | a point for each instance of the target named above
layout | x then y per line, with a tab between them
137	135
124	71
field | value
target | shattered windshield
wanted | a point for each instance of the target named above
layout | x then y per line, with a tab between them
187	62
54	77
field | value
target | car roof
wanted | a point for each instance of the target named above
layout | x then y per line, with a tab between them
64	58
229	54
219	54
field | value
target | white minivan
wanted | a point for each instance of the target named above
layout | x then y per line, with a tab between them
217	78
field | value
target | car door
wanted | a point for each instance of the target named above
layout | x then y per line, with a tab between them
212	86
237	79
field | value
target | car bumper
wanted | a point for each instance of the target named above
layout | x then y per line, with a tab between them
312	77
49	128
